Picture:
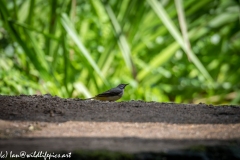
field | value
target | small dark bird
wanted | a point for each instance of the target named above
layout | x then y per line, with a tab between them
112	94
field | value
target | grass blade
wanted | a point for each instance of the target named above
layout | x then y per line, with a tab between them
72	33
160	11
122	41
183	26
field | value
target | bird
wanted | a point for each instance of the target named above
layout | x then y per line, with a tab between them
112	94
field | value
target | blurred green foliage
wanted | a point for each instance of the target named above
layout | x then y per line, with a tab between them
182	51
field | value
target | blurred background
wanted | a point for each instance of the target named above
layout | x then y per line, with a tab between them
182	51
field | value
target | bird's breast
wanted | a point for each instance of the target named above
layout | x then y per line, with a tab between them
111	98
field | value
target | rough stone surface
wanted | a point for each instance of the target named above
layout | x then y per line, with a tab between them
49	123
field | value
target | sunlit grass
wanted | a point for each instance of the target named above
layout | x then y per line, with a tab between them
80	48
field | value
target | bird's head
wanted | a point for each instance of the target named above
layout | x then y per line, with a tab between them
122	86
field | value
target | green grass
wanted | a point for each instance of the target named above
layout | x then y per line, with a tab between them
181	51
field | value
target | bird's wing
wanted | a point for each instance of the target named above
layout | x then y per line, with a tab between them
111	92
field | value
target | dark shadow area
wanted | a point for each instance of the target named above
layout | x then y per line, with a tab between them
55	109
136	148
